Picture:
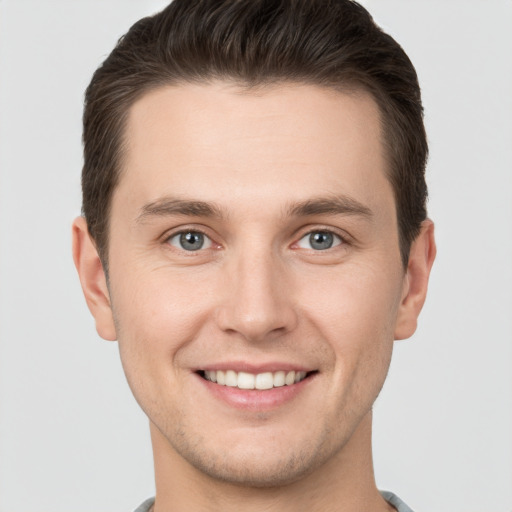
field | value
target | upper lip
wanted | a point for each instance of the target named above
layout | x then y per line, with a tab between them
241	366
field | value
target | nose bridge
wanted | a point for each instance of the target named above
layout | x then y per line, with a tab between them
256	303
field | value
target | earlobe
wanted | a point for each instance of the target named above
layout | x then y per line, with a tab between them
421	258
92	279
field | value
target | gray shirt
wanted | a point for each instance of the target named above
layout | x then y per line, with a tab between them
391	498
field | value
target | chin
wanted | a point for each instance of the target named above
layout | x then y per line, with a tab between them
264	471
260	463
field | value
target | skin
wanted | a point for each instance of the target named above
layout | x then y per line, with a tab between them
258	292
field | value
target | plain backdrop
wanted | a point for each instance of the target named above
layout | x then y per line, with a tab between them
72	437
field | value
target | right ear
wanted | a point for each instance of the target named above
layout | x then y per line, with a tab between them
93	280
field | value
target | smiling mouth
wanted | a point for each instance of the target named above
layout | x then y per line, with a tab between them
260	381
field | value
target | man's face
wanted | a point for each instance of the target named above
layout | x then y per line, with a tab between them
254	234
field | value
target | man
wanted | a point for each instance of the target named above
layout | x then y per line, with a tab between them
254	235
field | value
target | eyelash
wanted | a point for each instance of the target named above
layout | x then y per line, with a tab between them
169	237
343	239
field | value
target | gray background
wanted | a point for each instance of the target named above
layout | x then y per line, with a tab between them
72	437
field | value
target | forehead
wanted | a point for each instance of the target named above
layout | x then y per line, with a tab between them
219	139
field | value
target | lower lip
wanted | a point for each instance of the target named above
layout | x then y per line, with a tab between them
255	399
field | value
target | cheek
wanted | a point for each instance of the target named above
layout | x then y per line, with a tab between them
354	314
156	319
157	316
355	310
160	305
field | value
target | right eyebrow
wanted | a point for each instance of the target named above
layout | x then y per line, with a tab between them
168	206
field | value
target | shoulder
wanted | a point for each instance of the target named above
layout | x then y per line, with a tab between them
146	506
394	500
391	498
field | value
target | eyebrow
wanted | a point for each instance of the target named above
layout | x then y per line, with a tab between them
336	205
173	206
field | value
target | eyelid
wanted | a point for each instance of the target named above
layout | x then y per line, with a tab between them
344	237
207	241
336	239
168	235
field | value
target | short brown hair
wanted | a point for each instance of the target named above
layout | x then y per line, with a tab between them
330	43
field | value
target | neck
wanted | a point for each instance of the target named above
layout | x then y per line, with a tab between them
344	483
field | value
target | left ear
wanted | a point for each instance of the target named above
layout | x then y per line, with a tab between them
421	258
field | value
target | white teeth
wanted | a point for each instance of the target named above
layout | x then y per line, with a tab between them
221	378
264	381
299	376
279	379
231	379
244	380
290	378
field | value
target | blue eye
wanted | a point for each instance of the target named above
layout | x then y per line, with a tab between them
190	241
319	240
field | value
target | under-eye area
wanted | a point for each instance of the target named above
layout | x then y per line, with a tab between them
260	381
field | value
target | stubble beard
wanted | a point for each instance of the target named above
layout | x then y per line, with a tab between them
253	466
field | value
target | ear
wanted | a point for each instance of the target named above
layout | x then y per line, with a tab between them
421	258
92	279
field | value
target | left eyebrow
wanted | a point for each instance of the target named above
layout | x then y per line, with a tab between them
337	205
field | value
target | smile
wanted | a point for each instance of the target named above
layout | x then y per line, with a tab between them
260	381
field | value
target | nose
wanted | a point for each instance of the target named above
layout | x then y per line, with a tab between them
257	303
